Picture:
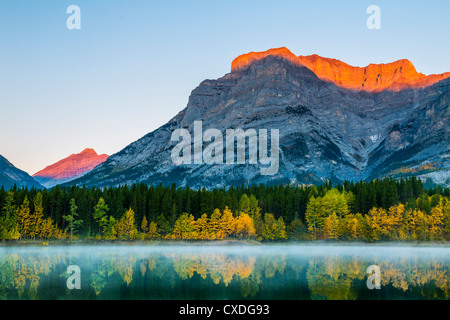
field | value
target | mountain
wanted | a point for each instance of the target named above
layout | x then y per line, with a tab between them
335	121
67	169
10	176
395	76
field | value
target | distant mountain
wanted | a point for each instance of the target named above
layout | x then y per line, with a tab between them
335	122
10	176
72	167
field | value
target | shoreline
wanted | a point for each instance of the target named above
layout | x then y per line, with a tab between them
324	243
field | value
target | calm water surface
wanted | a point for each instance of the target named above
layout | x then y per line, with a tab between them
224	272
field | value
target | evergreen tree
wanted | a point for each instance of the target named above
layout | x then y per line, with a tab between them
8	219
73	223
100	211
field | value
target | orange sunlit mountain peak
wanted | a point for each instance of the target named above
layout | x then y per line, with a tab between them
72	166
394	76
89	151
243	61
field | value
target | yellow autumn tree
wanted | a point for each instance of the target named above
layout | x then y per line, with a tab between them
47	229
153	231
348	227
36	218
419	225
184	228
384	224
446	213
375	223
437	222
24	218
394	225
215	224
202	227
244	227
274	229
331	227
226	224
144	224
314	217
126	229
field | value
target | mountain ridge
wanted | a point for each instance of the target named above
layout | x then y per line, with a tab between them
326	131
69	168
10	176
396	76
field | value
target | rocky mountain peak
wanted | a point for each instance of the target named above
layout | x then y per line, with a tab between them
394	76
70	168
88	152
329	126
245	60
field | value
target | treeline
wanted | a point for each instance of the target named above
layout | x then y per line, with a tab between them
370	211
332	217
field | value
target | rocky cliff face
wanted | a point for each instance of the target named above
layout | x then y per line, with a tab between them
69	168
10	176
335	122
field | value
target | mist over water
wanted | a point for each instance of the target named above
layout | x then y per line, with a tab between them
211	271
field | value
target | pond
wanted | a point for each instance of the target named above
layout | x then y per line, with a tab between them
217	272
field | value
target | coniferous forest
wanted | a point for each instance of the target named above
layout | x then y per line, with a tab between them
380	210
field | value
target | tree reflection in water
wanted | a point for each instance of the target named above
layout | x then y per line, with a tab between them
40	274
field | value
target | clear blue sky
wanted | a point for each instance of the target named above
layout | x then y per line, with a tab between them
133	64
